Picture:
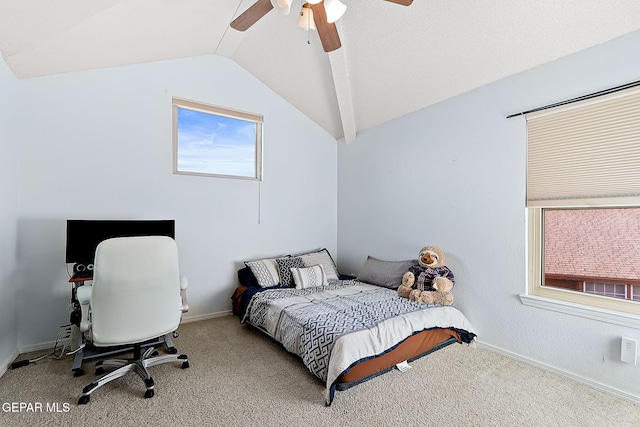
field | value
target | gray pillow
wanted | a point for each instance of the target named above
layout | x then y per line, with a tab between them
384	273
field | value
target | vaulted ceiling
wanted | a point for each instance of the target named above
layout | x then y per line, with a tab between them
393	60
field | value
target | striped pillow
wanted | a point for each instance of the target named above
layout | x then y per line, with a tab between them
309	277
265	270
322	258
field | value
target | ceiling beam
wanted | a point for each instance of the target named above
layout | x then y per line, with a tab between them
337	61
341	82
231	38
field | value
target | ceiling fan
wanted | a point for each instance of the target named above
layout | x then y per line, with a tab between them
324	12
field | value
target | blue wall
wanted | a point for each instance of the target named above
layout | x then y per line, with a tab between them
454	175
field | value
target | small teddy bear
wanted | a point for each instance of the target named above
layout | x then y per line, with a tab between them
432	279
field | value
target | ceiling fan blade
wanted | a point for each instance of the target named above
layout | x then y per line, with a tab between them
328	32
402	2
250	16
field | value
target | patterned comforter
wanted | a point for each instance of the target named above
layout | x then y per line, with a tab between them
333	327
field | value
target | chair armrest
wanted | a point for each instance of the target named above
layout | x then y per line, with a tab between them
183	293
83	294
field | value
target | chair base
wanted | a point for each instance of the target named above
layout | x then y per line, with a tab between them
139	364
86	351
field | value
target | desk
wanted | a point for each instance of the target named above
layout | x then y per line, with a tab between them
87	350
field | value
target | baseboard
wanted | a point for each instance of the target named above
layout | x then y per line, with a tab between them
593	384
185	319
6	363
199	317
49	345
36	347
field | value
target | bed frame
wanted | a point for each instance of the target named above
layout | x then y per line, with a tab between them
412	348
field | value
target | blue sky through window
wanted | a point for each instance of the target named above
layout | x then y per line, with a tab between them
213	144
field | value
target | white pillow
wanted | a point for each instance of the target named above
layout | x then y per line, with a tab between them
309	277
323	258
265	270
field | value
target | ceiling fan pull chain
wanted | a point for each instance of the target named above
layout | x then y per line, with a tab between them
309	27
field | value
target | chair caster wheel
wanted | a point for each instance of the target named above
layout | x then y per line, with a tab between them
148	394
172	350
84	400
185	365
78	372
99	371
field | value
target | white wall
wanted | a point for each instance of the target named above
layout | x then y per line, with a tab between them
9	200
97	145
453	175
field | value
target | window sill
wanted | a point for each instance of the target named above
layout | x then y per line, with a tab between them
594	313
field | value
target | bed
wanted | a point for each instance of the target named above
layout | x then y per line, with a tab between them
344	329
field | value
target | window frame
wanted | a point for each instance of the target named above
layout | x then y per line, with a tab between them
578	126
201	107
611	310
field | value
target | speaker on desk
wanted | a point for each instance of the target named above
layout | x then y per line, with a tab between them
79	268
82	270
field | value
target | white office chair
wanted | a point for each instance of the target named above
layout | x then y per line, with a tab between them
137	296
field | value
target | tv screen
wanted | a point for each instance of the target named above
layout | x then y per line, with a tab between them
83	236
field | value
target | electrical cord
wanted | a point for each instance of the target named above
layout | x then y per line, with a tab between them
62	339
76	350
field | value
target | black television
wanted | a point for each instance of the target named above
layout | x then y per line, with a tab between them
83	236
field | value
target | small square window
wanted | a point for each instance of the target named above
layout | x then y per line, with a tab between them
215	141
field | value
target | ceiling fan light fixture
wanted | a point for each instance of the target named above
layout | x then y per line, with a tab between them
282	6
335	9
305	21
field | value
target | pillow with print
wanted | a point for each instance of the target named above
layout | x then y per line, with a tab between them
323	258
285	264
308	277
265	271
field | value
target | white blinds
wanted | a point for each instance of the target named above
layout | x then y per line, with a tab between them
585	153
219	111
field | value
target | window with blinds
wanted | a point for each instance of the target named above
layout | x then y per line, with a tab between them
583	200
586	153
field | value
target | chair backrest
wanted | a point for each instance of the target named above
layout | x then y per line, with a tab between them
136	290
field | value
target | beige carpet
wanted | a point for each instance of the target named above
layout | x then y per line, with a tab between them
239	377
